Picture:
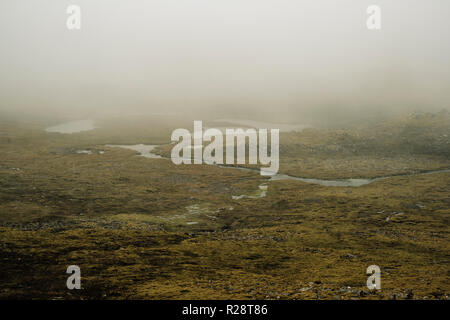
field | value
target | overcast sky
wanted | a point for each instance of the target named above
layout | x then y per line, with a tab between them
216	55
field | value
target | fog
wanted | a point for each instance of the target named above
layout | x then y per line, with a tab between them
282	59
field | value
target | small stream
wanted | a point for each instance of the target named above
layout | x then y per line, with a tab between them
146	151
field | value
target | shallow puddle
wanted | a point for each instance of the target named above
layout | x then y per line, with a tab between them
145	150
261	193
283	127
72	126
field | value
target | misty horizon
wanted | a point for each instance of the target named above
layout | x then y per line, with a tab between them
224	58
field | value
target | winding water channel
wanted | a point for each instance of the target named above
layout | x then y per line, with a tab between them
146	151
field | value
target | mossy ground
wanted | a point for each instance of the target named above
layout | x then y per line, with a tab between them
147	229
